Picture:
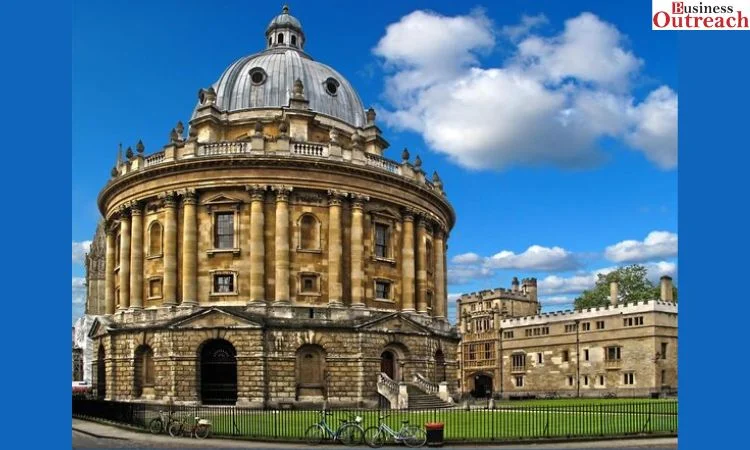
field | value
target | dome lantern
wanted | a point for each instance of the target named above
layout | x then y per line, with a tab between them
285	30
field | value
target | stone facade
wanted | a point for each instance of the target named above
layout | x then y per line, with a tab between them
275	229
620	349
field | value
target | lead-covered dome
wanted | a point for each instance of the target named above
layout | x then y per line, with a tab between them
266	79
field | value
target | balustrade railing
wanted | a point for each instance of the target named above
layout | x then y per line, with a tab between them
382	163
154	159
425	384
224	148
307	149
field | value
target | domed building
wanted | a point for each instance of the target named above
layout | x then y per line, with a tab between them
274	256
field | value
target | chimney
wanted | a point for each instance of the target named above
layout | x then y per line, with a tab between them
666	289
514	284
613	293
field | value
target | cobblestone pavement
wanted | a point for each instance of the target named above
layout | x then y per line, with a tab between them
95	435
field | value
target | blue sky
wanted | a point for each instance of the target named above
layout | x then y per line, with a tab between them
552	124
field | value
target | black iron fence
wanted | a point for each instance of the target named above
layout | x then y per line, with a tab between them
506	422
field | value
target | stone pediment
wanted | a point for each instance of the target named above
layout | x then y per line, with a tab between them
395	323
214	318
98	328
222	199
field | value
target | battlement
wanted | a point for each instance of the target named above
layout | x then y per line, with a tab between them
590	313
525	292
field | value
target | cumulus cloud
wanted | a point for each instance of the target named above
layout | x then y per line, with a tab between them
555	285
467	258
556	300
549	104
528	23
535	257
656	245
463	274
79	290
79	251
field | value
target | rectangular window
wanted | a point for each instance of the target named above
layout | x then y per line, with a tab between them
586	355
519	381
586	326
585	380
508	335
309	283
565	356
518	361
224	230
472	352
528	332
383	290
545	331
487	351
639	320
570	381
613	353
223	283
381	240
539	358
599	324
570	328
629	378
601	380
663	350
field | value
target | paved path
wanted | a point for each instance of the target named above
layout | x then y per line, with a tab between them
95	435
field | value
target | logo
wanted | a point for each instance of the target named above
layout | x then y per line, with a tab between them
705	15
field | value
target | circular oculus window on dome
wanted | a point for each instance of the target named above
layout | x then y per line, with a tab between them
258	76
332	86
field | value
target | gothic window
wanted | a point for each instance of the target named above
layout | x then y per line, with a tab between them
155	239
224	230
309	233
382	238
144	369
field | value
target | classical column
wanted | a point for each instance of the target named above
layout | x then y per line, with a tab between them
440	301
282	243
124	259
421	261
257	245
335	290
407	262
170	249
357	251
109	271
189	248
136	256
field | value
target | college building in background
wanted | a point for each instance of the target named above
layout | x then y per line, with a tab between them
269	254
509	350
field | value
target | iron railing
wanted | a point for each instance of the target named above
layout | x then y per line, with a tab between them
505	422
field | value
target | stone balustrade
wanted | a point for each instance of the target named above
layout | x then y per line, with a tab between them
425	384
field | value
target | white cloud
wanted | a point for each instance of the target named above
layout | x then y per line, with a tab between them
556	300
528	23
548	105
452	297
467	258
657	244
655	270
79	251
459	274
79	290
535	257
554	284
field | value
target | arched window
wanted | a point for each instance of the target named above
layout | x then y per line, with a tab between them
144	369
309	232
280	39
270	41
311	371
294	40
155	239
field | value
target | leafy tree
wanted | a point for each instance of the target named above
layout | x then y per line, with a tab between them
632	286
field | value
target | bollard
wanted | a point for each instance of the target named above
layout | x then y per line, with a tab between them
435	434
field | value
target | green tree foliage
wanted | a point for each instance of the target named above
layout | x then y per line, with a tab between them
632	286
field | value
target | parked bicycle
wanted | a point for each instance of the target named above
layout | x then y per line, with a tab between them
161	424
201	428
411	435
350	432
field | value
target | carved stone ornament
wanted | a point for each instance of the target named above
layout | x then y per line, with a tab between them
370	116
257	191
129	153
139	147
282	192
405	155
298	90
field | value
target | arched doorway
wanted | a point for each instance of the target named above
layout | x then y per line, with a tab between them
388	363
143	376
440	366
482	386
101	373
311	371
218	373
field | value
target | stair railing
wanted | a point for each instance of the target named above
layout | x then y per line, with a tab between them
426	385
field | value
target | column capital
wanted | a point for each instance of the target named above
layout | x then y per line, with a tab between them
408	214
257	191
123	212
335	197
190	197
136	208
359	200
282	192
169	199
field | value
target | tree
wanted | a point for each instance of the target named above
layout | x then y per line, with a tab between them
633	286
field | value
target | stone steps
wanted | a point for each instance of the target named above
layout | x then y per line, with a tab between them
419	399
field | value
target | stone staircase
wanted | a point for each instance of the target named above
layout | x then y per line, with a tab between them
418	399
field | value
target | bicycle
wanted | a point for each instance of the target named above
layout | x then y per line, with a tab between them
161	423
350	432
411	435
200	429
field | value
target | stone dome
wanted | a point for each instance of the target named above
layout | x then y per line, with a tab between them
266	79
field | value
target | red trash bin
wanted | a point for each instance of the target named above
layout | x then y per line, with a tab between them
435	432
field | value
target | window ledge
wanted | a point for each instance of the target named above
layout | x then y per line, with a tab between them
309	250
384	300
154	298
309	294
235	251
384	260
155	256
224	294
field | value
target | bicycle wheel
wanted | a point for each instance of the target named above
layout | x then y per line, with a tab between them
414	436
175	429
350	434
314	435
155	426
374	437
202	431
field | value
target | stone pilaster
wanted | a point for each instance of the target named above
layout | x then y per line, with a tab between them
124	259
190	249
421	263
257	245
282	244
440	300
357	251
335	289
169	284
407	262
109	274
136	256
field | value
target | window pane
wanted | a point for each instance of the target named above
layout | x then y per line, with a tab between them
381	240
223	283
224	230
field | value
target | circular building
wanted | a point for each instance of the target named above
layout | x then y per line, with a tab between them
273	255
